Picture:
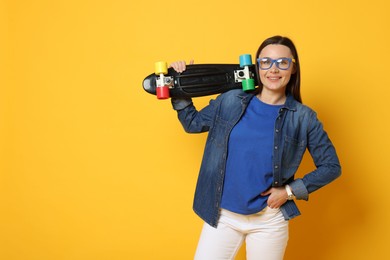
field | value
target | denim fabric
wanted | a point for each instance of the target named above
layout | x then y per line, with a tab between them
296	128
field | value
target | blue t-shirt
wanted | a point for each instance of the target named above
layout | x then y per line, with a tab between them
249	161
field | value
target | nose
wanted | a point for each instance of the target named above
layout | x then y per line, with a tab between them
274	68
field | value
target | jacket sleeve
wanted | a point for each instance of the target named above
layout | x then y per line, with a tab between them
325	159
195	121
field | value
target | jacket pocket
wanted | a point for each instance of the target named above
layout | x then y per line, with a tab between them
219	131
293	151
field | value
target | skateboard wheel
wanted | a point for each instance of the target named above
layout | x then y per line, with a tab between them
245	60
160	67
248	84
162	92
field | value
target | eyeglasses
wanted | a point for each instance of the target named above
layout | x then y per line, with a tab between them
282	63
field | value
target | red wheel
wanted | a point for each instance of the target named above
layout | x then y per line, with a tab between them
162	92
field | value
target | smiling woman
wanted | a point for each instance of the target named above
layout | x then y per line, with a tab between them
246	185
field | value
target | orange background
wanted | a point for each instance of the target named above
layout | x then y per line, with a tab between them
92	167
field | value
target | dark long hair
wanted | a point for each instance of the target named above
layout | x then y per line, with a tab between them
294	85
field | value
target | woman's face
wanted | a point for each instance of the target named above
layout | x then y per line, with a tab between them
275	79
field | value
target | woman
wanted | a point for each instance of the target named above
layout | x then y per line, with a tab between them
246	186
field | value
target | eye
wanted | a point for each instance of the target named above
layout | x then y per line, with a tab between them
283	62
265	61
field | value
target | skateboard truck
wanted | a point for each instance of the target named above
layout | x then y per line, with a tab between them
162	82
245	76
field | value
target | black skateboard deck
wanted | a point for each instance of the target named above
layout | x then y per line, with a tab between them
201	80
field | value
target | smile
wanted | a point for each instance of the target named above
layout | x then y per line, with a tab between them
274	78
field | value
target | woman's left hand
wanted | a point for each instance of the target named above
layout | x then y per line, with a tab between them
277	197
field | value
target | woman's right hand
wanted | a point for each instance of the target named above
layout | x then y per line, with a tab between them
180	103
180	66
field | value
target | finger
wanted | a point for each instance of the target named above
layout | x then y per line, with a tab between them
178	66
192	62
269	203
273	205
265	193
173	65
182	66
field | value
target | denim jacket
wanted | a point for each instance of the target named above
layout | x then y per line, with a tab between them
296	128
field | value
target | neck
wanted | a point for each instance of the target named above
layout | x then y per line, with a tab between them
272	98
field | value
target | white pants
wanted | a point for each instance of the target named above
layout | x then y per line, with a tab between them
265	235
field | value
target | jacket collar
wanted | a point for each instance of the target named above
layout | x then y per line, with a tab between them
290	104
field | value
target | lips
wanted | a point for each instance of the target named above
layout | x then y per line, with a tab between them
273	78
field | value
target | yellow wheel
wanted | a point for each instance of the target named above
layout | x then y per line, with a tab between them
160	67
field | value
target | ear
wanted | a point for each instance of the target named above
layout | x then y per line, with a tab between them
294	69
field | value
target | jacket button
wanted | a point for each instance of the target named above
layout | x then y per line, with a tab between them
276	183
277	130
276	148
276	166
